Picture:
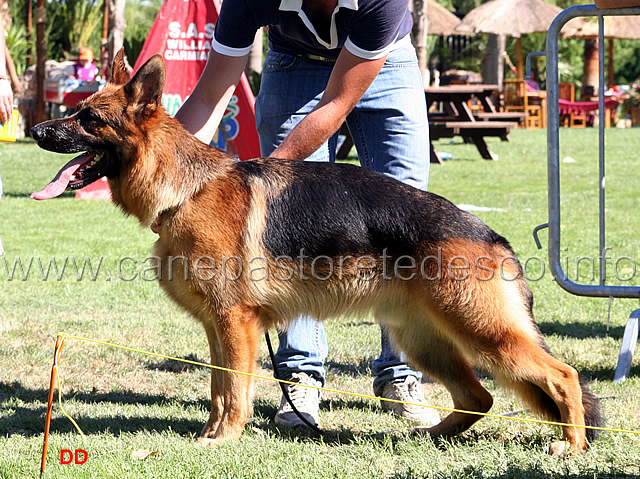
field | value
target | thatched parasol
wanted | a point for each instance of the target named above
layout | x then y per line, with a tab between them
441	20
618	27
622	27
510	17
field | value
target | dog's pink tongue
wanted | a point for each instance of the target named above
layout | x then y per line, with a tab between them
59	184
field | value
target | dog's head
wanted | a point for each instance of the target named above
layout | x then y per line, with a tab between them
106	127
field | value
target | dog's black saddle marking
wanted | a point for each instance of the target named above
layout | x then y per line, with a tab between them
340	209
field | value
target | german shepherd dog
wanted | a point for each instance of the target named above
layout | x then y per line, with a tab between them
245	246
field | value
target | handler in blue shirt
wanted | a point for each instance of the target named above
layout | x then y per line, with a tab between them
328	62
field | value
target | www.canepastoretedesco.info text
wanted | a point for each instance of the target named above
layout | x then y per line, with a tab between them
304	267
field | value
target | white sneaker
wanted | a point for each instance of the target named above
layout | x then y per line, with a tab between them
408	390
306	400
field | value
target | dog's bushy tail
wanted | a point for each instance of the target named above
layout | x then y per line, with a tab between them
592	412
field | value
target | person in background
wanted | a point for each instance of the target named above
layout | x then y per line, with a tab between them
6	93
85	69
328	61
11	71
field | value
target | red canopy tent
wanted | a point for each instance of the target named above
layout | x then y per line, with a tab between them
182	33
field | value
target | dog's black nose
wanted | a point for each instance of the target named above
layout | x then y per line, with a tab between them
37	132
42	131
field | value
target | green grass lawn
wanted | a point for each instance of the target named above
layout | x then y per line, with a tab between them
125	402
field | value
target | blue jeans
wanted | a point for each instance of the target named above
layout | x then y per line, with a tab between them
390	131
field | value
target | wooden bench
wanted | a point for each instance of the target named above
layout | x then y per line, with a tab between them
475	131
514	116
440	127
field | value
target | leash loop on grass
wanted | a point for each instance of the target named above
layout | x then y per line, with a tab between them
64	336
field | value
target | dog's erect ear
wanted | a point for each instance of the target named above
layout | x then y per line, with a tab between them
119	72
145	88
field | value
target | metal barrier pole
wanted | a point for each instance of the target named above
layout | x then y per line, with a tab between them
630	337
553	163
601	150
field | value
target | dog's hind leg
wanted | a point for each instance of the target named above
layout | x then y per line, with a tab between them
512	347
437	357
238	331
497	330
553	389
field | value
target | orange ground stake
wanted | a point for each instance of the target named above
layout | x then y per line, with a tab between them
54	372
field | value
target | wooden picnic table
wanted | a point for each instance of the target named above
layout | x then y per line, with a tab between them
456	117
455	98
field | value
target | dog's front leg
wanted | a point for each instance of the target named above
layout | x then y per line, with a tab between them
237	333
217	383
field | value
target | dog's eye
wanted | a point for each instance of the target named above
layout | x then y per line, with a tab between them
89	119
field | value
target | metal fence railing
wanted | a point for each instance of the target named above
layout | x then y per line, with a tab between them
602	289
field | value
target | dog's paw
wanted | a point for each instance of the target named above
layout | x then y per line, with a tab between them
210	439
565	448
560	448
209	442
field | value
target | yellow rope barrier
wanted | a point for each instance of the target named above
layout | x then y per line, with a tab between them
336	391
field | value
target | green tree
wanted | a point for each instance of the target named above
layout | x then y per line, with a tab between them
70	25
625	55
18	46
139	16
75	23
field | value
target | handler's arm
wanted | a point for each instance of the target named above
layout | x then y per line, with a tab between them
349	80
202	112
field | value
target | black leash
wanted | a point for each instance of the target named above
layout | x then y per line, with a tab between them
283	386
